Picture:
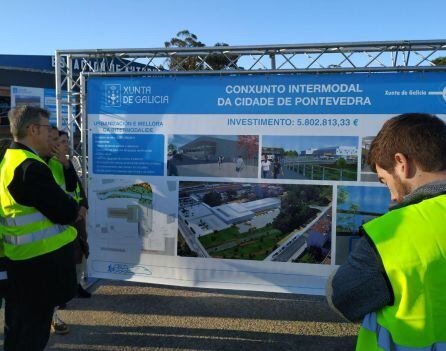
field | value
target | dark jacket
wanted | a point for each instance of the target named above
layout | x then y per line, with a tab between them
48	279
81	247
361	285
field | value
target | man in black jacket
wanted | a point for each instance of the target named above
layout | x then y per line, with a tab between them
81	247
37	284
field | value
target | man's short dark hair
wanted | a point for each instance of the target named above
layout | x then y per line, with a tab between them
418	136
21	117
62	132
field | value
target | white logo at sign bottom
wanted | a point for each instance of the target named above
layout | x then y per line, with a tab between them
121	268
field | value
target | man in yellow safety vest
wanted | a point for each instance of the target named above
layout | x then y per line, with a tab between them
37	238
395	278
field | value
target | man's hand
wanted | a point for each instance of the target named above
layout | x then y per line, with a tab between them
82	214
59	154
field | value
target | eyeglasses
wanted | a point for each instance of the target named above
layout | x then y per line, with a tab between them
48	126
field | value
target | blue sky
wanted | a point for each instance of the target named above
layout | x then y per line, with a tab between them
180	140
41	27
301	143
373	199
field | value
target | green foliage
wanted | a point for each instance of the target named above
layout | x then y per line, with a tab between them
184	39
341	162
215	61
252	248
291	153
326	195
212	199
440	61
294	217
311	255
231	194
183	249
354	207
219	61
342	195
306	258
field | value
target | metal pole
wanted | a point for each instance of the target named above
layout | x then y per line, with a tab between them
58	86
70	114
84	126
273	60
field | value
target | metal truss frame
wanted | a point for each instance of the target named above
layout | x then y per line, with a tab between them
73	66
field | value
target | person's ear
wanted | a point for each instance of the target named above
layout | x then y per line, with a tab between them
33	129
402	166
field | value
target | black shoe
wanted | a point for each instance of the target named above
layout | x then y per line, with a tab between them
82	293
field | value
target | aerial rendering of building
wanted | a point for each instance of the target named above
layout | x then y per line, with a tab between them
254	221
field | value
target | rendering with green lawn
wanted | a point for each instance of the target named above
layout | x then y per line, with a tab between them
310	157
252	221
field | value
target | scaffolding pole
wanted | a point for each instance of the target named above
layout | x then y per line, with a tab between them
74	66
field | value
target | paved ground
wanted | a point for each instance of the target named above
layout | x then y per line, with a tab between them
128	316
212	170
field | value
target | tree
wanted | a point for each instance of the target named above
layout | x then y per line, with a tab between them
215	61
291	153
342	195
354	208
184	39
212	198
231	194
326	195
440	61
221	61
341	163
249	144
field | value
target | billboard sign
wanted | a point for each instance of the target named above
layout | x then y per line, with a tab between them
254	182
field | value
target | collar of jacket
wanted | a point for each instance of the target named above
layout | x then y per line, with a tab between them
17	145
424	192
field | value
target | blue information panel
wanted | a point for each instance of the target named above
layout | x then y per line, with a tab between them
128	154
255	182
280	94
40	97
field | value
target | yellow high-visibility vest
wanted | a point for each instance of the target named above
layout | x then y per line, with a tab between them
27	233
411	242
57	169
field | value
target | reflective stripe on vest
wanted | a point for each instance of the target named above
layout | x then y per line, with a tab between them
3	275
77	194
57	169
27	233
384	338
25	219
36	236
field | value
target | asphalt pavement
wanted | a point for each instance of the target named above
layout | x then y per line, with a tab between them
132	316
